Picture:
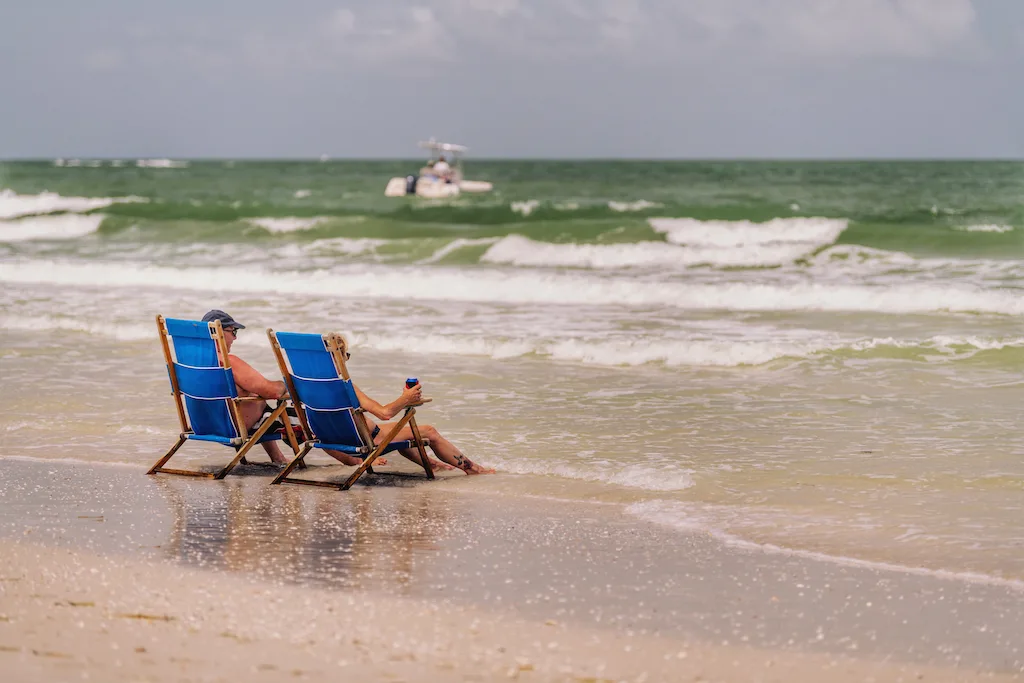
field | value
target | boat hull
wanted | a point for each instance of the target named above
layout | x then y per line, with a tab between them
428	188
431	188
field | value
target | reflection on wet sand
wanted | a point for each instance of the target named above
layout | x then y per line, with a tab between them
311	536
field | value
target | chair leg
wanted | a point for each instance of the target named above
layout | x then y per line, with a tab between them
290	435
378	451
162	461
364	467
253	440
297	460
239	457
423	451
289	432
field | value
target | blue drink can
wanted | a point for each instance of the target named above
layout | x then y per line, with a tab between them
411	382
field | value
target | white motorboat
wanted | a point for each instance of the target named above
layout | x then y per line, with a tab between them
442	176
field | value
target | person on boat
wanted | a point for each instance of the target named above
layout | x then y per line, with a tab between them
444	449
443	170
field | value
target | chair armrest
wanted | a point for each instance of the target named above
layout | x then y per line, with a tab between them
419	403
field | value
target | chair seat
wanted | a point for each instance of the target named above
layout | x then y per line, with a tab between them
272	436
361	452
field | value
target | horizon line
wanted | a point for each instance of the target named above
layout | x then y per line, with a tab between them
328	159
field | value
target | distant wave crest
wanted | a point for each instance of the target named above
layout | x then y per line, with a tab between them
13	205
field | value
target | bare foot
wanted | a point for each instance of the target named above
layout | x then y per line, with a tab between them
473	468
440	465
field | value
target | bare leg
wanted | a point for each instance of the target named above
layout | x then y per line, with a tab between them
443	449
252	411
346	459
414	455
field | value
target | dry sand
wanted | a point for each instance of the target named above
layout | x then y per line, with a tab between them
71	616
108	575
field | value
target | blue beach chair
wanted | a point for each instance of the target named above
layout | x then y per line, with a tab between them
328	409
206	396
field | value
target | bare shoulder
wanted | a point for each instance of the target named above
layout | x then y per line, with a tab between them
237	362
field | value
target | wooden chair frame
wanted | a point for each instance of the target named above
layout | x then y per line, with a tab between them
335	345
246	441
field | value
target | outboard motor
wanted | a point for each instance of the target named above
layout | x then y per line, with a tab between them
410	183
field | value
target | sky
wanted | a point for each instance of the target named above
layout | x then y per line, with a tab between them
513	78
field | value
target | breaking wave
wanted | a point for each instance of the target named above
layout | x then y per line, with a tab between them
57	227
13	205
522	287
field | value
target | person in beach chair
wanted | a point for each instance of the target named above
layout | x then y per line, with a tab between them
220	398
332	411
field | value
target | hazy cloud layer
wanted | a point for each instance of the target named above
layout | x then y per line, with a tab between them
514	77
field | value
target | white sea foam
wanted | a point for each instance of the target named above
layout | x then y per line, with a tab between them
130	332
13	205
139	429
635	476
693	232
349	246
855	261
985	228
160	163
689	242
522	251
639	205
461	344
457	244
58	227
288	224
685	352
525	208
946	345
694	518
749	345
500	286
302	194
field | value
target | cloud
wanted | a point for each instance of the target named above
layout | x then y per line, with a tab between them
909	28
686	29
103	59
422	34
341	22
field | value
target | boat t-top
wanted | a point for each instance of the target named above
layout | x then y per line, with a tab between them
441	177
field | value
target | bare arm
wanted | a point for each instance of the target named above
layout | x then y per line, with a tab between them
251	381
386	412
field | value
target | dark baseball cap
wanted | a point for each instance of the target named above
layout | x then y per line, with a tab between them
226	321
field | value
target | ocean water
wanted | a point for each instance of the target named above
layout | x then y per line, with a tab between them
811	357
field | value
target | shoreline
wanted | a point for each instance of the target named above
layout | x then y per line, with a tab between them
726	539
457	558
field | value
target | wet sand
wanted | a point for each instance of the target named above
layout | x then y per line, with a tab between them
111	575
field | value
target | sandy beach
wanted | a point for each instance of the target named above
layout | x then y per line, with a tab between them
111	575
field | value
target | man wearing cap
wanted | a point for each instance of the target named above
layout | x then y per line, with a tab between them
250	382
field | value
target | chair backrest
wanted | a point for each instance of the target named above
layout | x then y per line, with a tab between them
321	389
200	372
